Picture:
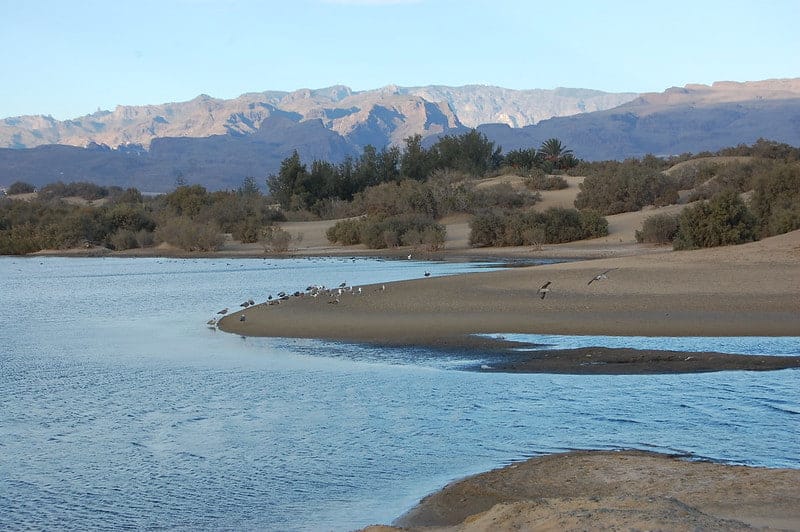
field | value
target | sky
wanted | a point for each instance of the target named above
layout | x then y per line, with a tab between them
69	58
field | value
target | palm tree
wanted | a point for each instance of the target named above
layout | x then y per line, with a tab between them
554	151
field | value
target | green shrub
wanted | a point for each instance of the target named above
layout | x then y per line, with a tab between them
538	180
658	229
722	221
20	187
625	187
555	225
776	200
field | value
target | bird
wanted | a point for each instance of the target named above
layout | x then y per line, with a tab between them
242	318
600	276
245	304
427	274
409	256
251	301
342	285
223	311
544	289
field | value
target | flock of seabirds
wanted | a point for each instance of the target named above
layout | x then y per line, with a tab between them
334	294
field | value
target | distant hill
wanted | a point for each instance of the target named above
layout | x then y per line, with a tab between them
217	143
366	117
692	119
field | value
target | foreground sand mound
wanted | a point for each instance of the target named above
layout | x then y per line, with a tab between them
608	490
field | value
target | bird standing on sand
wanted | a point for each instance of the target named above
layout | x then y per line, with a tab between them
544	289
600	276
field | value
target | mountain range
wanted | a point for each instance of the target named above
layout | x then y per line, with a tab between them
216	142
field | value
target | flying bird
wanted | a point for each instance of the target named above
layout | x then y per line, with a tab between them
544	289
600	276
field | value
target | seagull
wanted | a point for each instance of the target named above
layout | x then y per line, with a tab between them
342	285
245	304
427	274
223	311
409	256
242	318
600	276
544	289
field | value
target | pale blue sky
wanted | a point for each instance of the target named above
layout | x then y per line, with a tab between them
67	58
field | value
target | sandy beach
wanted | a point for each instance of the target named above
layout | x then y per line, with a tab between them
747	290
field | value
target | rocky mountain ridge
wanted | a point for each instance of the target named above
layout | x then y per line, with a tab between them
367	117
334	123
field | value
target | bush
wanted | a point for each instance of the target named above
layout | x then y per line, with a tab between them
555	225
382	232
123	239
501	196
658	229
776	200
345	232
538	180
189	235
722	221
20	187
247	231
625	187
275	239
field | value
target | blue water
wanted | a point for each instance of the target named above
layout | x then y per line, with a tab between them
119	408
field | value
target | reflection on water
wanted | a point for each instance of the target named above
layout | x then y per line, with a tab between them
119	408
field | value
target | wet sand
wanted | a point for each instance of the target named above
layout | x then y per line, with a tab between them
747	290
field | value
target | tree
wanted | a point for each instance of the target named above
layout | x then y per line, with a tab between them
249	188
415	162
285	185
188	200
557	154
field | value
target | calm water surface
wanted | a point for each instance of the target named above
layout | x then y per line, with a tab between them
120	409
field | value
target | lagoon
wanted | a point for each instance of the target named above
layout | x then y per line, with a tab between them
120	408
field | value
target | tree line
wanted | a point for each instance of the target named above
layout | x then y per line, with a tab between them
394	197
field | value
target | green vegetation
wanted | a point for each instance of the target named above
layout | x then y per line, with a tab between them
722	221
189	218
658	229
555	225
398	197
624	187
768	172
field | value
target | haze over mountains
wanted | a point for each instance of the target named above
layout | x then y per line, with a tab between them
217	142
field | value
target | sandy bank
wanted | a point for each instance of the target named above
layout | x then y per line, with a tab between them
606	490
747	290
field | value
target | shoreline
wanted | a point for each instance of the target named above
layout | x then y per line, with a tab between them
747	290
618	490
